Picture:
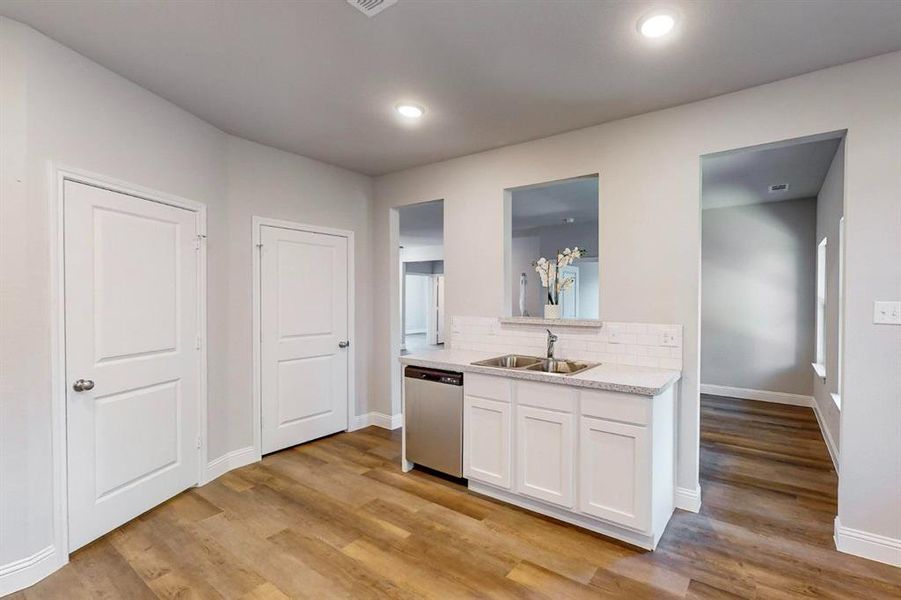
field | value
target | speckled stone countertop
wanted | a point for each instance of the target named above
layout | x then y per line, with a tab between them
645	381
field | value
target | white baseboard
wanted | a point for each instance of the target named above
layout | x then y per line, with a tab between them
27	571
867	545
827	437
227	462
762	395
688	499
378	419
649	542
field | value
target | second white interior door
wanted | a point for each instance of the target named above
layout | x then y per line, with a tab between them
304	329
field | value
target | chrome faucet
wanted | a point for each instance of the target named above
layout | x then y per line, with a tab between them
551	338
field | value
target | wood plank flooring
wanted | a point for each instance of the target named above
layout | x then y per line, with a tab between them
336	518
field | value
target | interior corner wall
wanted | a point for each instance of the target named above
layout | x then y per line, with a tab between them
830	208
758	300
649	170
59	108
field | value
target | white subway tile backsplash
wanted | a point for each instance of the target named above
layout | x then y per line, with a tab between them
641	344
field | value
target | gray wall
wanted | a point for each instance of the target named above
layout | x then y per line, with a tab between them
758	276
58	107
830	208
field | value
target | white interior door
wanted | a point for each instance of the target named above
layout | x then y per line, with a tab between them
132	333
304	323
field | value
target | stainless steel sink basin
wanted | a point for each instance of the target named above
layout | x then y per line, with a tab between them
520	362
509	361
564	367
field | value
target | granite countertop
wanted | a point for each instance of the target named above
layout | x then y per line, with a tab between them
645	381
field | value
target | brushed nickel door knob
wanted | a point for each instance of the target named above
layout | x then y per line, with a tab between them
83	385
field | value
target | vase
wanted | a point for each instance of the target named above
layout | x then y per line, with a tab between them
551	311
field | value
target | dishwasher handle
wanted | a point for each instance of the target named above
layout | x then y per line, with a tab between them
434	375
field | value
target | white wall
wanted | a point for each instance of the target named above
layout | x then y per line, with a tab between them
650	242
830	208
758	275
56	105
416	306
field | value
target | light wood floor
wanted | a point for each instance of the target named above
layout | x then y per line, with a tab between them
337	519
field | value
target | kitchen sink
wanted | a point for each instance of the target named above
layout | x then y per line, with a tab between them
520	362
509	361
563	367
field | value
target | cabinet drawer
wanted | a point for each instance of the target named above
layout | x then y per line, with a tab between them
616	406
487	386
546	395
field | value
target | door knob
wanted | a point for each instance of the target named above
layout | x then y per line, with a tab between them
83	385
344	344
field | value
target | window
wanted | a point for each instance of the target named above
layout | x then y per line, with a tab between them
837	396
819	366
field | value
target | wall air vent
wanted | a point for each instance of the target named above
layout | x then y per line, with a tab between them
778	187
371	8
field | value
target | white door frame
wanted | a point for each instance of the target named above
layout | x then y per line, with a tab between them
58	175
259	222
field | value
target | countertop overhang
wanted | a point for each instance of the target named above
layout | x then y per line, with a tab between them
612	377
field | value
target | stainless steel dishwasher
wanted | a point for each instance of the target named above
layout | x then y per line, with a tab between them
434	419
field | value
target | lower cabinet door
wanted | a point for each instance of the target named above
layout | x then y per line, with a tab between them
545	448
487	431
614	472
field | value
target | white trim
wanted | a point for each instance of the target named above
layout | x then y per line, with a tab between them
837	400
762	395
867	545
827	437
820	370
57	175
27	571
688	499
229	461
648	542
378	419
257	222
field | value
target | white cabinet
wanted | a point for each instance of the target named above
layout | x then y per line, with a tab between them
614	472
487	433
599	459
545	450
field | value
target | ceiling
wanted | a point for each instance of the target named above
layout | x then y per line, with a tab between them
550	203
422	224
743	177
320	79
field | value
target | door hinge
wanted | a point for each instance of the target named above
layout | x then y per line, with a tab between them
198	342
199	442
198	240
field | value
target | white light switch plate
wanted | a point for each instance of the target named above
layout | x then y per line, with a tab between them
887	312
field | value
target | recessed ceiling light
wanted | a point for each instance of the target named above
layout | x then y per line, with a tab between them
410	111
656	24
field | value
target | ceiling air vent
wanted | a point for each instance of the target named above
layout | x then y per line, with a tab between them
371	8
778	187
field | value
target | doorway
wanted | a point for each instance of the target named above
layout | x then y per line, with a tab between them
772	229
133	346
303	317
421	237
